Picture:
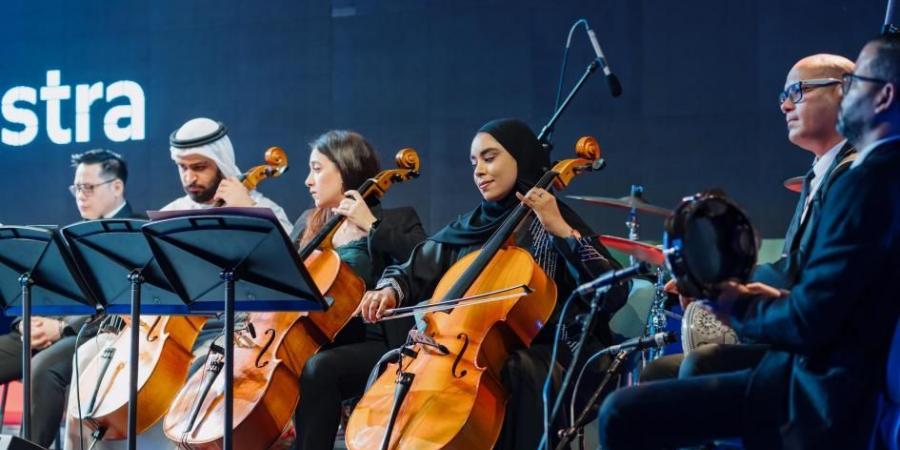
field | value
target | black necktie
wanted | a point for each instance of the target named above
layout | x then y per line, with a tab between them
791	236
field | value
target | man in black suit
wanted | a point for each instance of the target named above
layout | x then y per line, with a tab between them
99	191
99	187
820	385
810	102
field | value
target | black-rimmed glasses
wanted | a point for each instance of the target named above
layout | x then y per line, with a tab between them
87	188
795	91
847	81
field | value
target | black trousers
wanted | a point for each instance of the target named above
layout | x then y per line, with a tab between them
523	377
705	360
675	413
51	371
691	402
329	378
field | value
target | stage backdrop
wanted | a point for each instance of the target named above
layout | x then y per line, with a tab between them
699	107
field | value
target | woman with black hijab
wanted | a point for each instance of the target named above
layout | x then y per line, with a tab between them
507	161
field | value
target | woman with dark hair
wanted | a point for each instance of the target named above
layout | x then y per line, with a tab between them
371	238
507	161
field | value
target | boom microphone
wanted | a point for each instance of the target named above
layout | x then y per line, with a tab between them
615	87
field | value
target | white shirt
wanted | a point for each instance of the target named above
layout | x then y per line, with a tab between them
820	166
865	152
261	201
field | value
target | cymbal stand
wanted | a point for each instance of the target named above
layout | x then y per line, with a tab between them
632	223
656	317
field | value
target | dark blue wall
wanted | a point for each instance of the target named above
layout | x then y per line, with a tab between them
699	110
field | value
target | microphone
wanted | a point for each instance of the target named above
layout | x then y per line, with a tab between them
643	343
615	87
890	19
613	277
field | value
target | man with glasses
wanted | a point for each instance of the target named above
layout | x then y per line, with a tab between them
99	191
99	186
832	331
810	102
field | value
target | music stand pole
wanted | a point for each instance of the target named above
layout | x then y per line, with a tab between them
136	279
25	281
229	277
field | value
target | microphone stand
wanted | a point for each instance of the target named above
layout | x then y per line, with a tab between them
587	325
577	429
544	137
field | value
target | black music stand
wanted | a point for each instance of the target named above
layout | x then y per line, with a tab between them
37	275
243	251
116	261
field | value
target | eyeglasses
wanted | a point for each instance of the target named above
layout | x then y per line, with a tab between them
795	90
847	81
87	188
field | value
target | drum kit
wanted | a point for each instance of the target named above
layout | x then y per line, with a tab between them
708	240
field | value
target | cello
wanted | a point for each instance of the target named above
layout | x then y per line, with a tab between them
270	358
164	359
489	303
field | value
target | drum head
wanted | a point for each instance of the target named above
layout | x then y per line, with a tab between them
709	240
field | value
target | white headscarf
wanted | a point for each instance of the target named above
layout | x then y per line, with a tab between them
219	150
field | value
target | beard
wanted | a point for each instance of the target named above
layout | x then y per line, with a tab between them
207	192
850	126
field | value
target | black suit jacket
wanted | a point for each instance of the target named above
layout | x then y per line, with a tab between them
797	240
398	231
127	213
831	334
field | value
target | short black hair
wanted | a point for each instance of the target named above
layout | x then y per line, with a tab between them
886	63
111	163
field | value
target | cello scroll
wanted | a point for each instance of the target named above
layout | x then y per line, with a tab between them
587	150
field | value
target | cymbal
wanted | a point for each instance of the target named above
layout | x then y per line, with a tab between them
627	202
794	184
641	251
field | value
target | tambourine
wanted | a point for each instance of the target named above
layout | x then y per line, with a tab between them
709	240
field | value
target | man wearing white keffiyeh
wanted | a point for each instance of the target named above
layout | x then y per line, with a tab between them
205	158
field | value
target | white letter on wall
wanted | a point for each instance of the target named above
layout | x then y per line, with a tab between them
25	117
134	111
85	95
53	94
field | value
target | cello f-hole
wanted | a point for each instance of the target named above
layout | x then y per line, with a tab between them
151	332
271	334
459	356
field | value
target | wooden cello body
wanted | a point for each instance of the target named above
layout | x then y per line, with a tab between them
268	363
165	356
455	398
267	367
164	359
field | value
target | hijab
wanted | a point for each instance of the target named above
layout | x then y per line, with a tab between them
532	161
